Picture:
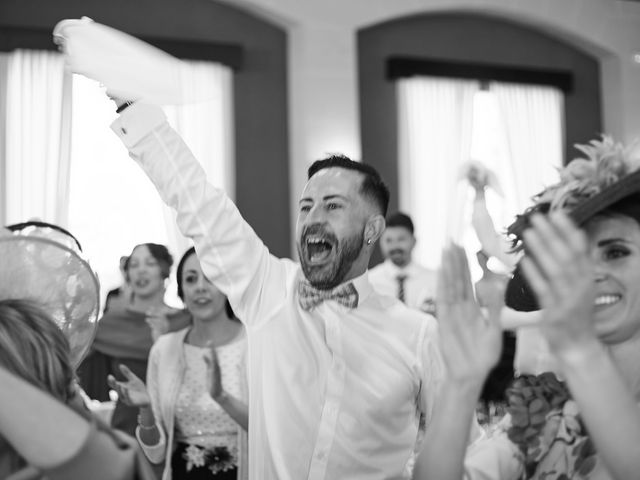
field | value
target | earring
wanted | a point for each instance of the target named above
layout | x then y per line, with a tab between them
368	241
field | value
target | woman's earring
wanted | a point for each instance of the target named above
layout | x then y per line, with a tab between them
368	241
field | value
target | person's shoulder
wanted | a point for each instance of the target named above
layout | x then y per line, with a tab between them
378	267
397	311
427	276
423	270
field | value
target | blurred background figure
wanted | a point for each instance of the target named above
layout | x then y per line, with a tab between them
120	295
492	399
494	244
193	413
399	276
125	335
523	346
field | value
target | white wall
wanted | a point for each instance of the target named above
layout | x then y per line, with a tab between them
323	98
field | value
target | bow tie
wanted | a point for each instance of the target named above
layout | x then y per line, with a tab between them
310	297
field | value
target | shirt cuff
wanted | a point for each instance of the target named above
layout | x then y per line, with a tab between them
136	122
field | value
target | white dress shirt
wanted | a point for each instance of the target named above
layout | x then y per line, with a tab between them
419	283
334	393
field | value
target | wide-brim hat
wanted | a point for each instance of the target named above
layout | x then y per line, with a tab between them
45	264
625	193
607	180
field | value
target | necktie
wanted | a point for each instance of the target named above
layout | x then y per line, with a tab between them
401	279
309	296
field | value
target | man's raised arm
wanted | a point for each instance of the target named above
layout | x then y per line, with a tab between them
231	254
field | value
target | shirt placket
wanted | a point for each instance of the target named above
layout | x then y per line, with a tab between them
332	400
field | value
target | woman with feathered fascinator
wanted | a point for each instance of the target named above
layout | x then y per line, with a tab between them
581	243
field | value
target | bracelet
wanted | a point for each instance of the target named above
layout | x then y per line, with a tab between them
143	426
121	108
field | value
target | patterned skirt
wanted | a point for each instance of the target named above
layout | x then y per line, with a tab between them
192	462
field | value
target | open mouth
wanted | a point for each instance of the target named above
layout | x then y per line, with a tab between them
202	301
141	282
606	300
318	249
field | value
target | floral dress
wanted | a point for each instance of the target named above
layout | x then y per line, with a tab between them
541	438
207	436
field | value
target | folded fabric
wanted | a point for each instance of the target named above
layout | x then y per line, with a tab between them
478	172
129	68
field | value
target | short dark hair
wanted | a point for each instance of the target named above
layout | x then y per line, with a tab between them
400	219
372	185
192	251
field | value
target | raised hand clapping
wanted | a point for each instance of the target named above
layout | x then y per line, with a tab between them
470	341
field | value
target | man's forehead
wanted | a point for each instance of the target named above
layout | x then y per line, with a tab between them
334	181
396	231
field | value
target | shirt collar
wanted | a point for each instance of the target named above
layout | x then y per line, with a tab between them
363	286
395	270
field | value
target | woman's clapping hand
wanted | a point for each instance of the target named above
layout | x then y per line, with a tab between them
132	391
470	339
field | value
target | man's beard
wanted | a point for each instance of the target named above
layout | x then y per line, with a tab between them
328	276
400	260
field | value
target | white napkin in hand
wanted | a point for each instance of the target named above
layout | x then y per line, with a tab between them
480	173
129	68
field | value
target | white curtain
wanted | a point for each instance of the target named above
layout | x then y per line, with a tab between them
4	60
434	139
533	120
36	134
113	205
208	130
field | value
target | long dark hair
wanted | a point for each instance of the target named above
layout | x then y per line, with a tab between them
192	251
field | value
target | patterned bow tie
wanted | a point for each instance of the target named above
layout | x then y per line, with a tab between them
310	296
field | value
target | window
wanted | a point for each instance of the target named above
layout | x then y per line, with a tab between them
515	130
98	193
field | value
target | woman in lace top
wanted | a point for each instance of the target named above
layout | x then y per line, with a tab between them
193	412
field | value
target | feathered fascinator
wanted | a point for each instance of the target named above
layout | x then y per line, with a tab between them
608	174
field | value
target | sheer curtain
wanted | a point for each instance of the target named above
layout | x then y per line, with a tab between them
60	162
533	120
4	60
35	132
434	139
113	206
208	130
